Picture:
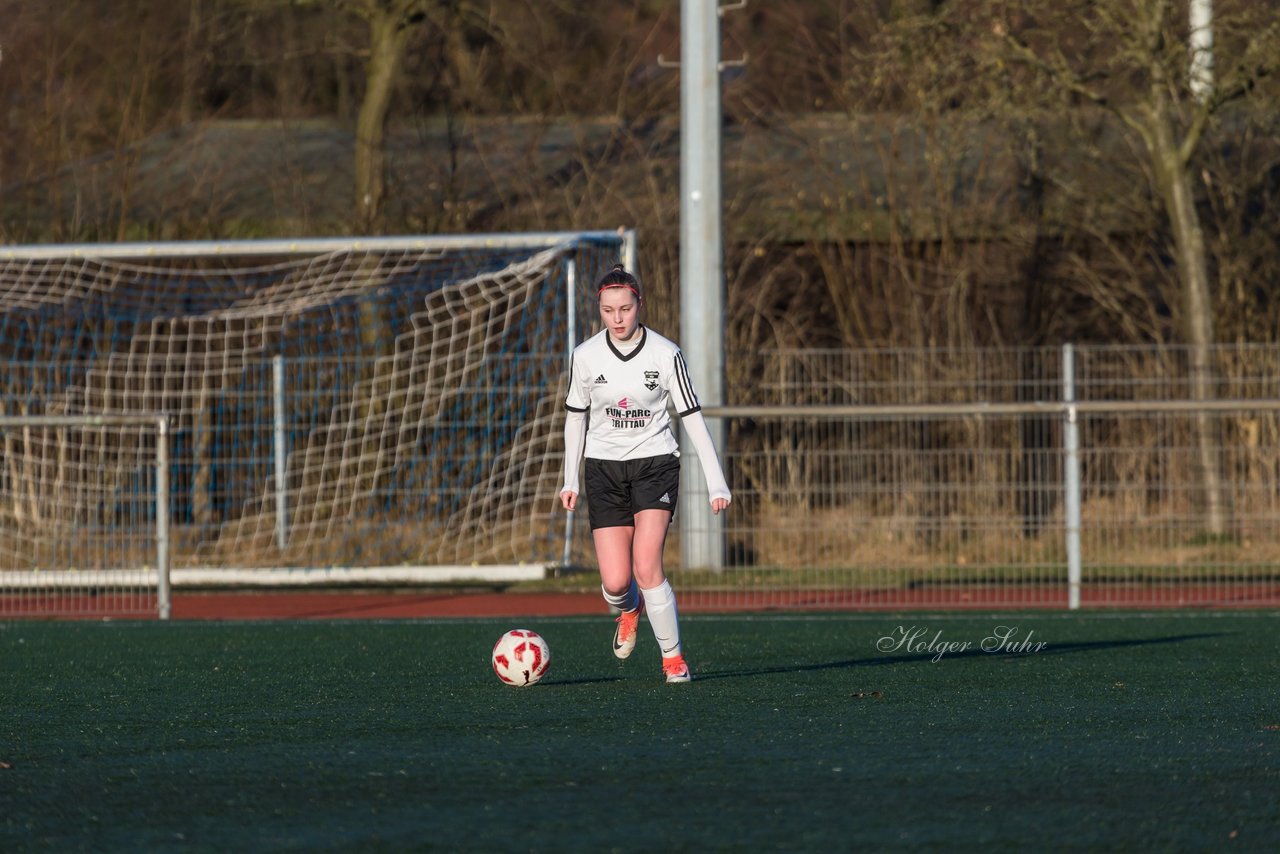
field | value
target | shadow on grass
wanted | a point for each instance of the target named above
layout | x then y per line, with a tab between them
973	652
586	680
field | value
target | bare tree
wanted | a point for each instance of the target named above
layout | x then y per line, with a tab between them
1127	57
391	24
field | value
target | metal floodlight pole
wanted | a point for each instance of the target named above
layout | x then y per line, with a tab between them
1200	17
701	263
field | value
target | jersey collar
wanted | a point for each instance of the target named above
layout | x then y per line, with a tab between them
626	357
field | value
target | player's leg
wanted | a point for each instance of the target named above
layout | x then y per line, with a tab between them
659	598
613	553
647	546
609	501
655	497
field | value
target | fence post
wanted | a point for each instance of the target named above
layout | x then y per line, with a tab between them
280	453
1071	476
164	600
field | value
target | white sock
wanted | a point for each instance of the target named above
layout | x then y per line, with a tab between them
660	605
625	602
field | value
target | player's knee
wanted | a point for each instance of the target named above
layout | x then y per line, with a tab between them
617	589
649	576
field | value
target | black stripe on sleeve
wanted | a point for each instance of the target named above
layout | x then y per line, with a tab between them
686	385
576	409
689	412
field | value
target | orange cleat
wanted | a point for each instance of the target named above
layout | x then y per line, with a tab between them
676	670
624	639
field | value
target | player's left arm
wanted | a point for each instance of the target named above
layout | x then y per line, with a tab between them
696	428
685	398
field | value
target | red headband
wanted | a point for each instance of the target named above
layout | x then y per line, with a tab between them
604	288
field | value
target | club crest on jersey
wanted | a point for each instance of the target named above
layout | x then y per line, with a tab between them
624	417
651	380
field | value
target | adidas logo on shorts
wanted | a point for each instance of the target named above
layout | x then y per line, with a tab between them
666	498
600	380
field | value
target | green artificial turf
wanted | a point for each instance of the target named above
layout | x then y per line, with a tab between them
1124	731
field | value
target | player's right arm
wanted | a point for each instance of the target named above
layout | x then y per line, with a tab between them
575	436
577	403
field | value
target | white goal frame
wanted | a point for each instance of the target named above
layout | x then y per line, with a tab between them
309	246
279	505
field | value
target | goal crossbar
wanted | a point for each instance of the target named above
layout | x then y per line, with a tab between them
304	246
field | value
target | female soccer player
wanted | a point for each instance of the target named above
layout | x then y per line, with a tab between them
623	378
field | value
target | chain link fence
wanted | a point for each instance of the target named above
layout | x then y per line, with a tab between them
1050	477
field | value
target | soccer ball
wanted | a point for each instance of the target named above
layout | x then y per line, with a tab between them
521	657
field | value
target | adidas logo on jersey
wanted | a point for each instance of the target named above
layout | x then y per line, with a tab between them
666	498
600	380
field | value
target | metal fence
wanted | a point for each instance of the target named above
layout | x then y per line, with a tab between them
84	515
1029	477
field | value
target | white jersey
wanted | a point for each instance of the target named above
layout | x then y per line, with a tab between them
626	395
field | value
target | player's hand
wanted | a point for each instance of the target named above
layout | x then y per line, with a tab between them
569	499
718	504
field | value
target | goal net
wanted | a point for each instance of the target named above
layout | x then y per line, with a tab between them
371	404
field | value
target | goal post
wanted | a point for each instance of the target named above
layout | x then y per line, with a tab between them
84	515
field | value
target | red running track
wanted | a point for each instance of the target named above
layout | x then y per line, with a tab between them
350	604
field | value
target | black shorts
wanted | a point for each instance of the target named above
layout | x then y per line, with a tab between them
618	489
